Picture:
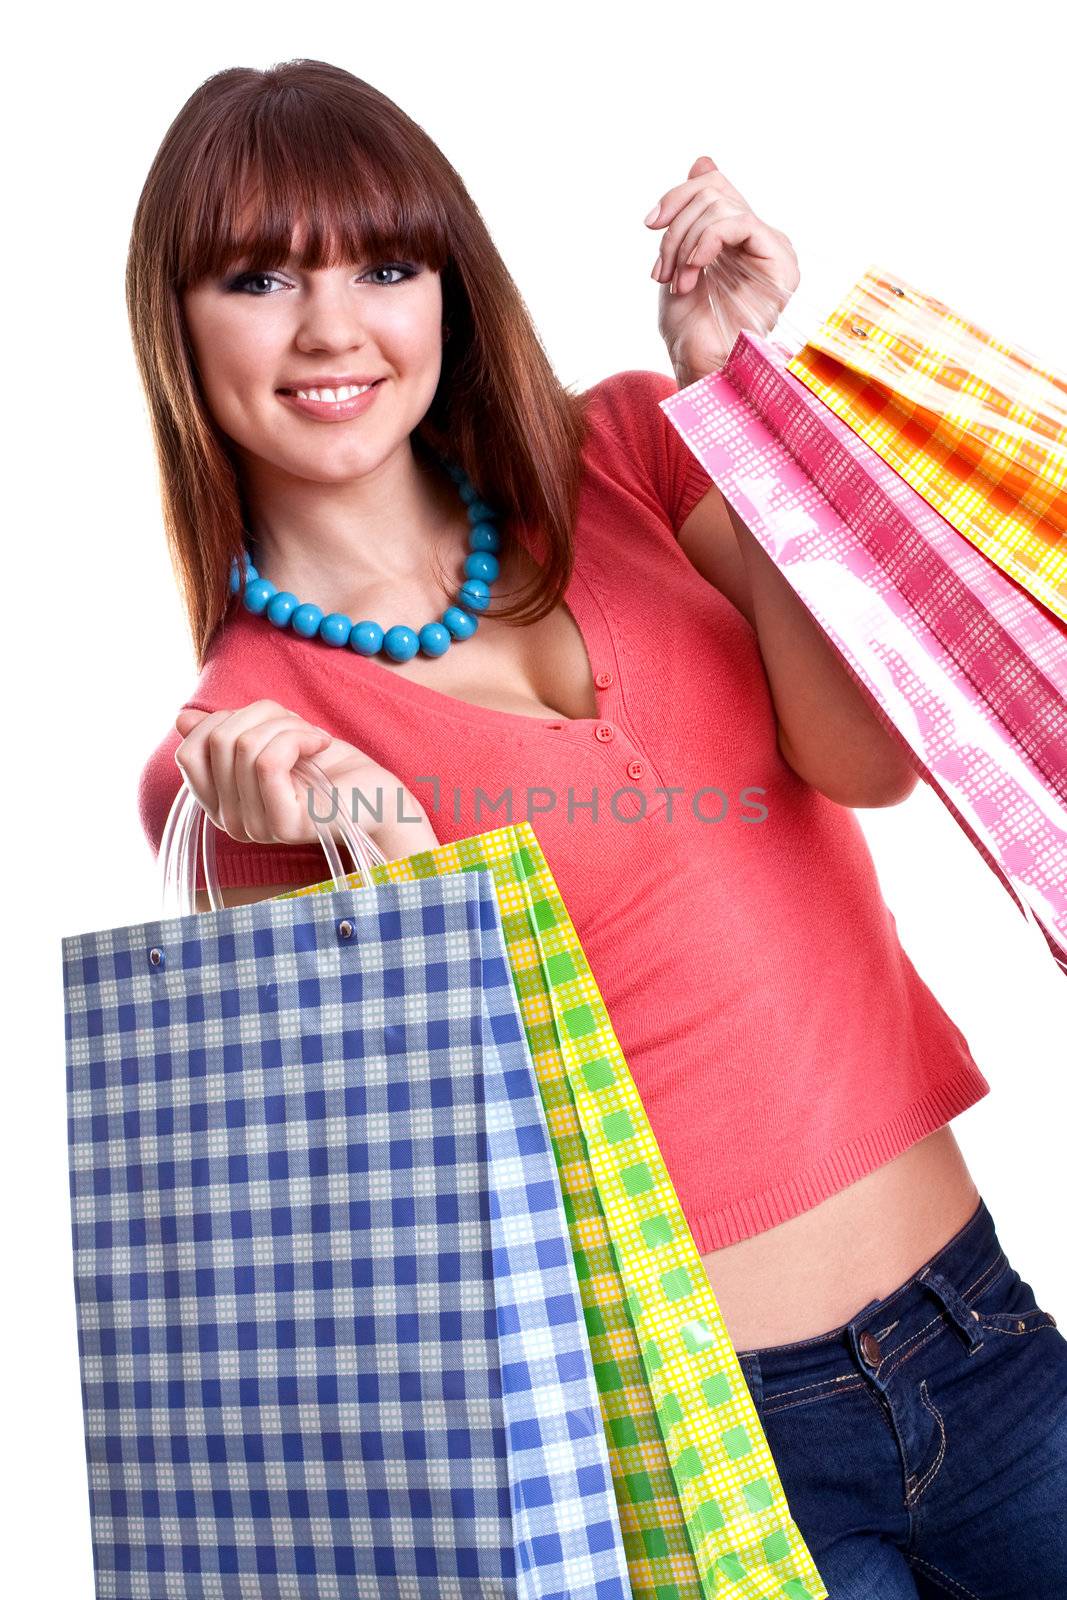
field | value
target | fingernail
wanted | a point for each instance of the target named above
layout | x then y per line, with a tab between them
655	269
653	214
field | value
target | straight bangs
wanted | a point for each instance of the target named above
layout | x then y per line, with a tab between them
299	162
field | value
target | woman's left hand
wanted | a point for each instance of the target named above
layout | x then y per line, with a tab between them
720	269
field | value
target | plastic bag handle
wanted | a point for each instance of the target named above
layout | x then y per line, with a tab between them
185	835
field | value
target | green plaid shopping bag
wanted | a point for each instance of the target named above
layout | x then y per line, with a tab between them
701	1506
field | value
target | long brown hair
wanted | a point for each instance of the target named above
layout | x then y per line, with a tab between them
306	141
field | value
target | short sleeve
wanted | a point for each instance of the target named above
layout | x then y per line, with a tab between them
630	403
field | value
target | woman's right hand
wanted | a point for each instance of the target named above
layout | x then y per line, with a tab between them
239	765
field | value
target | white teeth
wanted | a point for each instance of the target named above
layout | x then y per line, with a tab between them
332	396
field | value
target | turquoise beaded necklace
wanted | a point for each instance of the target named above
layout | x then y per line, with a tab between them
399	643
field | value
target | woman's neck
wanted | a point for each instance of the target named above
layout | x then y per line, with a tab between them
384	526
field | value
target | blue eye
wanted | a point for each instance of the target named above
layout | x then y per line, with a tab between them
395	266
242	283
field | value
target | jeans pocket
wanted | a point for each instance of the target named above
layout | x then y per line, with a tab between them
1009	1306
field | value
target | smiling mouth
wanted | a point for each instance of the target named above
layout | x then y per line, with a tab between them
339	396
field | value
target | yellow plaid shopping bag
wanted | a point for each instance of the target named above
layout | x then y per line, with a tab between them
701	1506
977	427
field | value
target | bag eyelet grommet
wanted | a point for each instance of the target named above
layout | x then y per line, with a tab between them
898	292
860	333
345	929
156	957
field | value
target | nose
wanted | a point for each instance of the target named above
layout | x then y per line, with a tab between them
332	316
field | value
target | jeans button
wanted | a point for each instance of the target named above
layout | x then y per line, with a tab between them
870	1349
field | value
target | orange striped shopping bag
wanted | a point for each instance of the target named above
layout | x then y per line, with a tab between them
976	426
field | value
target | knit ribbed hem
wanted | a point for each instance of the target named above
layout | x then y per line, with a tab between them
713	1230
260	866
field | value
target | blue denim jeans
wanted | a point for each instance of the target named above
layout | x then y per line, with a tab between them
923	1445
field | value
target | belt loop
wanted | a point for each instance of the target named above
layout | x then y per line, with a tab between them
961	1313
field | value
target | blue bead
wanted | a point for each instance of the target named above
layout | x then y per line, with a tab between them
257	594
335	628
306	619
483	536
467	492
475	594
482	565
478	511
235	573
281	607
400	643
434	639
460	624
366	638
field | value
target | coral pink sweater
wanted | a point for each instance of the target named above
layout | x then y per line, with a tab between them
781	1040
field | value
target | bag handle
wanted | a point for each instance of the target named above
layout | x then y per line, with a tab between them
185	836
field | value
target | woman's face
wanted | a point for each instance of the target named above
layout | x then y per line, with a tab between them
260	337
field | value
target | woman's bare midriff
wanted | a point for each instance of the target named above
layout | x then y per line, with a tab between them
815	1271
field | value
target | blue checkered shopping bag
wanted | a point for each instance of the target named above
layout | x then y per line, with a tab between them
330	1334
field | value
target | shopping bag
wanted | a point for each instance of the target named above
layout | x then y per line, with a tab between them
976	426
955	658
701	1505
329	1327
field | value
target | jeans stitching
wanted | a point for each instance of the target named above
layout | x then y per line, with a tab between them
914	1352
821	1383
904	1343
1016	1333
876	1402
952	1585
811	1399
1000	1262
931	1472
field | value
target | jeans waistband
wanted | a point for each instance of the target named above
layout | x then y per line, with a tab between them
885	1331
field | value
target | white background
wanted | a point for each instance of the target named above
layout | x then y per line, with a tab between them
926	137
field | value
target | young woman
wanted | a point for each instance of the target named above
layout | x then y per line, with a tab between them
329	342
